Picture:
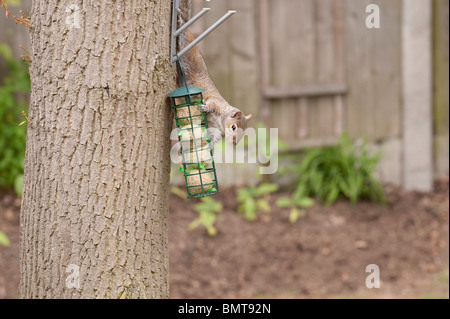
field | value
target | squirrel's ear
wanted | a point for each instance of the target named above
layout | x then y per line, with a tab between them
237	115
249	117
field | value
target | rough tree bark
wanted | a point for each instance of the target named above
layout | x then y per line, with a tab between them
95	201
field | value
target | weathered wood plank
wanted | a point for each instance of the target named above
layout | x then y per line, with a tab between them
303	51
264	60
339	55
374	68
321	108
303	113
292	46
441	92
243	61
358	67
325	44
216	48
295	146
386	72
305	91
281	115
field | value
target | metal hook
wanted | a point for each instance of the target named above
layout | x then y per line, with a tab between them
175	33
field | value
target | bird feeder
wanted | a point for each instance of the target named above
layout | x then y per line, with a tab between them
195	145
196	150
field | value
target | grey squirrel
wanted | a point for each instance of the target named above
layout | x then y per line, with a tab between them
224	120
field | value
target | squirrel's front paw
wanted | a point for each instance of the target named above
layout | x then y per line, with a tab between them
206	108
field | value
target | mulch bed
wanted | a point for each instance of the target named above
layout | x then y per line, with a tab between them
323	255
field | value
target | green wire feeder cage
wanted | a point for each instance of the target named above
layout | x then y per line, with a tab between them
195	144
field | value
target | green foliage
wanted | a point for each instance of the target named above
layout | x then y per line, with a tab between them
13	2
13	100
207	210
253	200
4	240
344	170
289	166
178	192
297	203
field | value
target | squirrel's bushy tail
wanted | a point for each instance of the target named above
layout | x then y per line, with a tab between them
184	14
193	63
185	11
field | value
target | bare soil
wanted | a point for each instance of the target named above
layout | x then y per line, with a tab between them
323	255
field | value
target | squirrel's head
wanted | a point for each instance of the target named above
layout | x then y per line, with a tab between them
235	127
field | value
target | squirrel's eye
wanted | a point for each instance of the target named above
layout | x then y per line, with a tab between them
233	127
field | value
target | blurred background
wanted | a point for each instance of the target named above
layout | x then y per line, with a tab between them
364	137
314	70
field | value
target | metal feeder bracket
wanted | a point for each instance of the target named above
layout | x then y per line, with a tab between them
174	56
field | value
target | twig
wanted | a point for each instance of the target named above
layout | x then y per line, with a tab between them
23	19
26	118
26	57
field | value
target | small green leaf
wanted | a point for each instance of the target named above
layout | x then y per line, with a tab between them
265	189
285	202
333	195
263	206
299	195
178	192
305	202
194	224
250	209
243	195
294	215
4	240
13	2
207	210
212	231
18	185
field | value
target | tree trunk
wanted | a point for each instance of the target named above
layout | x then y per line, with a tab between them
95	202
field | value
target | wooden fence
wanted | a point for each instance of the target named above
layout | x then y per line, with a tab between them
297	62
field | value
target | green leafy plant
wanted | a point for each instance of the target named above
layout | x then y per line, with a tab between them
4	240
13	101
297	204
344	170
207	210
254	200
